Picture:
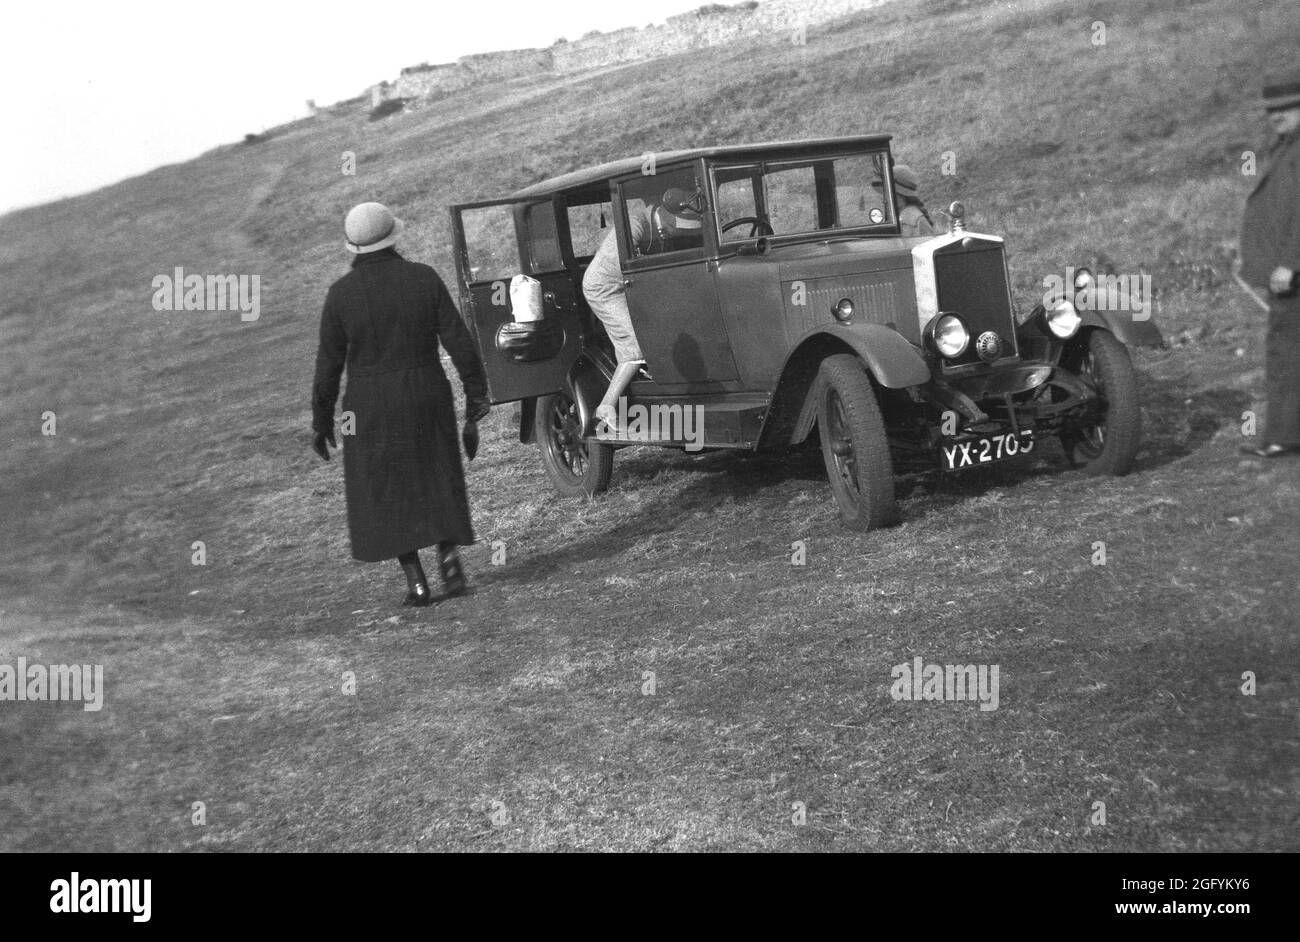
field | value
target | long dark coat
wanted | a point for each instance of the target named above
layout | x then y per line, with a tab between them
1270	227
1270	236
402	472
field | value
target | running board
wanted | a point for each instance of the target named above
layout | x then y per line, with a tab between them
729	421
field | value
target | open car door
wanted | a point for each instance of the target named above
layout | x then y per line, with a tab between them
495	241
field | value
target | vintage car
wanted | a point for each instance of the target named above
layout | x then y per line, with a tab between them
798	307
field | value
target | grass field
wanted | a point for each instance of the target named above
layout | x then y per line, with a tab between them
521	717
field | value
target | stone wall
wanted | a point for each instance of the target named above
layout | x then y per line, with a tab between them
774	19
777	20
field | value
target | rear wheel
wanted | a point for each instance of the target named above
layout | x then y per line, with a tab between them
576	468
1106	442
854	444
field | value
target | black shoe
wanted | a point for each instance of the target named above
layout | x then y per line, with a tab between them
418	597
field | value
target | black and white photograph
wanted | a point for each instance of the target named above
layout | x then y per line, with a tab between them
762	427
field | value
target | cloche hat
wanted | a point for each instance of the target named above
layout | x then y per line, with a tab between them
370	227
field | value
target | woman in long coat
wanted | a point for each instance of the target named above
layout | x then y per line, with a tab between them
402	472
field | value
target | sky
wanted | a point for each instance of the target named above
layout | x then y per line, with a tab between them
96	92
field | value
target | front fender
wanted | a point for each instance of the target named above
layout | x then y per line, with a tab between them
1130	332
892	361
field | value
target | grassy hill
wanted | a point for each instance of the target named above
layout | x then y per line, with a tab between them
1119	682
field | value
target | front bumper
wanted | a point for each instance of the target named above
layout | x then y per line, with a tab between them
1028	401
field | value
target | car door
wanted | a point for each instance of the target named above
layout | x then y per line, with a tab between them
496	240
673	295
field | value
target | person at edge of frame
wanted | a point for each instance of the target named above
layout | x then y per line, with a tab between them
1270	257
403	479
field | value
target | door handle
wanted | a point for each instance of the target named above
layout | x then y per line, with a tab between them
549	298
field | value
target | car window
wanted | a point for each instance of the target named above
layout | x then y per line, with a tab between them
642	202
490	245
543	240
792	200
736	200
860	203
588	227
801	196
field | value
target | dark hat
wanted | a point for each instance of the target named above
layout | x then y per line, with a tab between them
682	210
1282	90
905	180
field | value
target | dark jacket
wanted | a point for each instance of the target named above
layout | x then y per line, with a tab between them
402	473
1270	229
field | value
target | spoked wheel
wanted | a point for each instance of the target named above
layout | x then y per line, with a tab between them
1107	439
854	445
576	467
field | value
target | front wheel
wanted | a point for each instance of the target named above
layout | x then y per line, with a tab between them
854	444
1106	440
576	468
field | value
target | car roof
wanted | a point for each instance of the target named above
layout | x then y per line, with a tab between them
589	175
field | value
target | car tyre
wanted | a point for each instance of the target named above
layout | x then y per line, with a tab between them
577	468
854	444
1108	446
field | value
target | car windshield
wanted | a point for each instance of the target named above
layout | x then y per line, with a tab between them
791	197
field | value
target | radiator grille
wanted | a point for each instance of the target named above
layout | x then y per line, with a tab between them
973	283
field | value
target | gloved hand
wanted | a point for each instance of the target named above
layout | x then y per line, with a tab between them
318	444
476	409
469	438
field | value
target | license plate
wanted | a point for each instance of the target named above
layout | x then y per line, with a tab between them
985	450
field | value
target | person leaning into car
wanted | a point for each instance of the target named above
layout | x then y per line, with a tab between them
1270	257
652	228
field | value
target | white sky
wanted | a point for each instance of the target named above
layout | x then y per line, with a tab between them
98	91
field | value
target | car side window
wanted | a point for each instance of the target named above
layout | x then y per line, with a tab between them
543	239
736	200
490	246
652	230
792	199
860	203
589	224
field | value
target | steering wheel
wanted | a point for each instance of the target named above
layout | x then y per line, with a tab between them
754	223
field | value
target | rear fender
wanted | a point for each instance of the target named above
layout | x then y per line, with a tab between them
587	385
